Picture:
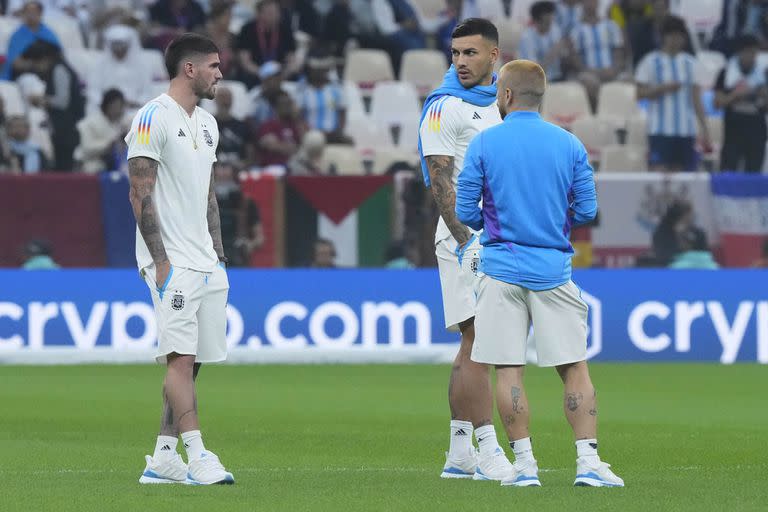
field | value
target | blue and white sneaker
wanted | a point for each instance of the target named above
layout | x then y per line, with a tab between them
525	474
207	470
164	470
460	467
595	474
493	467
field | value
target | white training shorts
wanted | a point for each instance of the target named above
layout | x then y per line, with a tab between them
191	313
457	282
504	316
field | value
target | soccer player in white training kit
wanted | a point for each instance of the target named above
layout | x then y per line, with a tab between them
454	113
171	151
535	182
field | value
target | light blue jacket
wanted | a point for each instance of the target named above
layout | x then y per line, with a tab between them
535	182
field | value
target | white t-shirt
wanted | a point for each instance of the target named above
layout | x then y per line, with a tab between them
447	129
159	131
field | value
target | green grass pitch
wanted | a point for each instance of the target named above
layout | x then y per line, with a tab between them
369	438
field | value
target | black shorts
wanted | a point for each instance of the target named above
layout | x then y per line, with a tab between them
673	152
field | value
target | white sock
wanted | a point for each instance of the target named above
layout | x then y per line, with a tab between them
461	438
486	440
587	449
523	449
193	442
165	446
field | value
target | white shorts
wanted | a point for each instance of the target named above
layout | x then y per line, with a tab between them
458	284
504	315
191	314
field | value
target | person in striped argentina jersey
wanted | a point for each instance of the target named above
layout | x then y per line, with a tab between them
543	42
598	49
670	79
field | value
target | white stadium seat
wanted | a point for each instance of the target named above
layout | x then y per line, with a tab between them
595	134
564	102
343	160
241	102
711	65
637	131
12	99
155	62
510	32
617	102
384	158
623	158
423	68
368	136
67	30
394	103
365	67
354	100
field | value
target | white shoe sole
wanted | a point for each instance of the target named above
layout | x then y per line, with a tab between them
456	476
522	483
151	480
482	478
227	480
583	481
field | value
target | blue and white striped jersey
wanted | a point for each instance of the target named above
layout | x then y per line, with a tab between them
595	43
672	114
535	46
320	106
568	17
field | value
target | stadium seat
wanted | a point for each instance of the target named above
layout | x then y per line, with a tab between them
408	138
521	12
423	68
157	89
394	103
155	62
384	158
67	30
637	131
617	102
365	67
8	26
12	99
241	103
342	160
702	16
368	136
354	100
711	65
429	9
510	32
623	158
564	102
595	134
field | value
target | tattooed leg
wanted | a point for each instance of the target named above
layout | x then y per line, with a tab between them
469	390
580	399
180	390
512	401
168	426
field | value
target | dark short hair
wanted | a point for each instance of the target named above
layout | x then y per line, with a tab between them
541	9
185	46
110	96
476	27
673	25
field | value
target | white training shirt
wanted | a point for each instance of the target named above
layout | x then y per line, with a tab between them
596	43
672	114
159	131
447	129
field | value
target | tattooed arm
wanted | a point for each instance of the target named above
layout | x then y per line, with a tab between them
214	221
441	176
143	176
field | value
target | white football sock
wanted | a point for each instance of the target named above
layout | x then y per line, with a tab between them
461	439
486	440
587	449
193	443
523	449
165	446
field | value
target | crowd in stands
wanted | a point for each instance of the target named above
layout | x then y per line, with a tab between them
311	86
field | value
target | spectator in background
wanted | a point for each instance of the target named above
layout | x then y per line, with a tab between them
271	85
323	254
37	256
23	155
762	262
309	159
321	102
675	233
217	28
668	78
120	66
445	30
398	22
267	38
174	17
302	16
279	138
598	50
738	18
234	135
32	90
645	34
543	42
741	90
488	9
102	147
64	100
31	30
337	28
695	253
396	257
569	15
241	230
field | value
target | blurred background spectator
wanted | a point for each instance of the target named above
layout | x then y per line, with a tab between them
235	137
569	15
323	254
396	257
23	155
308	160
279	138
694	253
101	135
271	77
218	29
676	233
644	28
170	18
31	30
738	18
543	42
38	256
321	101
741	91
268	37
398	22
120	65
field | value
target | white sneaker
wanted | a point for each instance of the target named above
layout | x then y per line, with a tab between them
164	470
591	474
525	474
460	467
208	470
494	467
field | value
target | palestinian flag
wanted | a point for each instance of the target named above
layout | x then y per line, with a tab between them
353	212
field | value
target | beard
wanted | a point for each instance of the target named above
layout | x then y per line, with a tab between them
205	91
